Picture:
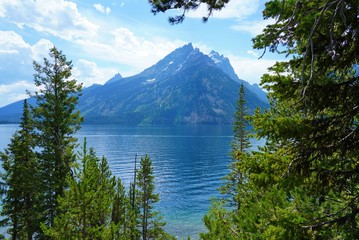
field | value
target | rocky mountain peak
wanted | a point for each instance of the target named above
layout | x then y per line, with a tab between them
216	57
224	64
115	78
176	61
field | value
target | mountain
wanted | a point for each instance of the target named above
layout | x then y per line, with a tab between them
115	78
185	87
224	64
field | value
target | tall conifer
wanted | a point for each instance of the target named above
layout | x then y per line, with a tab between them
86	206
120	214
21	182
221	220
56	120
240	145
150	220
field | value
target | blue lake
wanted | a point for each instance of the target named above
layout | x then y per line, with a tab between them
189	162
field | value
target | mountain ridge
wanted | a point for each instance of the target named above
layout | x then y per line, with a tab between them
185	87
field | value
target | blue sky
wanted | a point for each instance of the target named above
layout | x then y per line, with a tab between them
105	37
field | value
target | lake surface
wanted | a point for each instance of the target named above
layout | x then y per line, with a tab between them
188	161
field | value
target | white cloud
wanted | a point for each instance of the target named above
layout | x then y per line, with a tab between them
88	73
15	57
236	9
250	69
10	40
6	4
253	27
15	91
126	48
240	10
101	8
252	53
110	43
16	70
60	18
123	48
15	52
41	49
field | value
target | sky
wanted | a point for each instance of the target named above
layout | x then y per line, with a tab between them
105	37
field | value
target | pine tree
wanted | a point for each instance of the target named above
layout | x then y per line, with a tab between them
87	204
121	210
20	177
240	145
132	220
56	120
220	221
303	182
151	224
310	162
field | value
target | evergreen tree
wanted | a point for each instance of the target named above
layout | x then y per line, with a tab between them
20	178
310	162
133	220
219	223
56	120
303	182
121	212
240	145
86	206
151	224
132	216
221	220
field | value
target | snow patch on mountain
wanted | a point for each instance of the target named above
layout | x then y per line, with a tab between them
216	57
151	80
178	68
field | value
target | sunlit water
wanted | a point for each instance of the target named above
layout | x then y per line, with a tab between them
189	162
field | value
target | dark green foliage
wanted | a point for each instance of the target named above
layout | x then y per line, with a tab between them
185	6
219	223
21	182
240	145
95	206
52	193
313	123
121	214
240	142
86	208
133	216
119	203
56	120
150	221
221	220
303	183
